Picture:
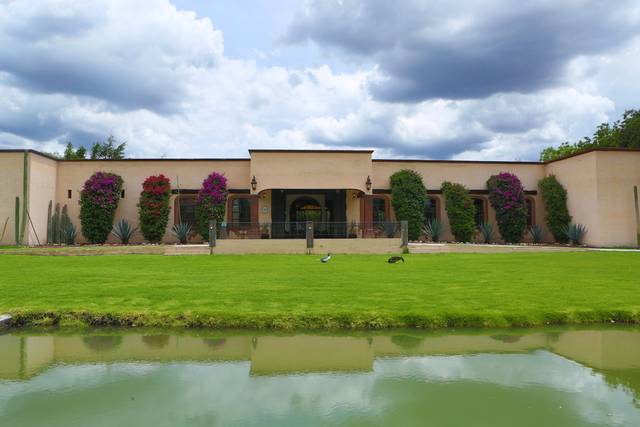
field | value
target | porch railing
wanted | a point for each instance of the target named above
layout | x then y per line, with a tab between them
297	230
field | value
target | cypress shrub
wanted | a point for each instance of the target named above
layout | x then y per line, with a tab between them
153	207
506	196
98	202
408	196
554	196
210	203
460	211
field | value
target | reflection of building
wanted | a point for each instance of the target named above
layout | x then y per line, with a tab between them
614	353
273	192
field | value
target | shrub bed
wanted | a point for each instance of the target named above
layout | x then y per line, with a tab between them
211	201
98	202
408	197
554	196
153	207
506	196
460	211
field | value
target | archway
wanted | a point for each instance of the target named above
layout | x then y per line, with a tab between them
305	209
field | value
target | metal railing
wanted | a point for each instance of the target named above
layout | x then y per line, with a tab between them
298	230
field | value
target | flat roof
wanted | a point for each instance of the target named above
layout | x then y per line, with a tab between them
252	150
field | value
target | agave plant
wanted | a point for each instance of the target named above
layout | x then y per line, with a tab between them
182	231
486	231
124	231
433	229
388	229
69	233
575	233
537	233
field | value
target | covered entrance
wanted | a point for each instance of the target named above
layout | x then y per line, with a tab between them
291	209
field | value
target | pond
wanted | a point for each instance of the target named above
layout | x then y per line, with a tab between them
534	377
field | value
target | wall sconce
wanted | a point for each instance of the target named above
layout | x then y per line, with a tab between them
368	183
254	183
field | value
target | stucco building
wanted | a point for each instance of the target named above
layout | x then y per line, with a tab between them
285	187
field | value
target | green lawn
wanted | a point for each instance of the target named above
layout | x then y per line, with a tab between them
298	291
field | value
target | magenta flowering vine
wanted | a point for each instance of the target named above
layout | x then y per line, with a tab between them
211	202
98	202
506	196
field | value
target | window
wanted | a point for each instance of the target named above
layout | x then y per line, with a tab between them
379	210
531	212
480	211
430	209
240	210
186	210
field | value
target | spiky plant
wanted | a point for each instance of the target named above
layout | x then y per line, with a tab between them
575	233
433	229
69	233
124	231
486	231
537	233
182	231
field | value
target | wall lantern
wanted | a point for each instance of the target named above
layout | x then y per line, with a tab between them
368	183
254	183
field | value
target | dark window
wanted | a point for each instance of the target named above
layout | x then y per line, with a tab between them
68	194
480	214
187	207
530	212
122	194
240	210
430	209
379	210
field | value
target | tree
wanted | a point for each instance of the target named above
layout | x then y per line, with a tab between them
460	211
408	196
210	203
98	202
74	154
108	150
153	207
624	133
554	196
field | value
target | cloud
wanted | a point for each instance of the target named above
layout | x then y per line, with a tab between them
158	78
470	49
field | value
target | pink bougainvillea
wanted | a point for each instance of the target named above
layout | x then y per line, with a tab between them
98	202
211	201
506	195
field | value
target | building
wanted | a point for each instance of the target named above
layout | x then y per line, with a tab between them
334	188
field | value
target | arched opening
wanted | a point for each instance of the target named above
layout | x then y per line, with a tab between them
305	209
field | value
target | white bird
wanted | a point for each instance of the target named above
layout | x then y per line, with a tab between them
325	259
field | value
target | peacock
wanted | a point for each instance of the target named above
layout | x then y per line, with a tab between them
325	259
395	259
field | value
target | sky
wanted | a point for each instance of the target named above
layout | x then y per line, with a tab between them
433	79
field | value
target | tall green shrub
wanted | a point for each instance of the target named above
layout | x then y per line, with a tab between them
554	196
408	196
460	211
506	196
153	207
98	202
211	202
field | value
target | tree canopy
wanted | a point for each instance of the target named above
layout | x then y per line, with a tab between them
624	133
106	150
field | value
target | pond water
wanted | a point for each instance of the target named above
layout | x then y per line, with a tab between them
547	377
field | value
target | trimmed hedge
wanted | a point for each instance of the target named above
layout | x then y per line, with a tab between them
153	207
554	196
506	196
98	202
408	196
211	202
460	211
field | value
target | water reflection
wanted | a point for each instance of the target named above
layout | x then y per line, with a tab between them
559	377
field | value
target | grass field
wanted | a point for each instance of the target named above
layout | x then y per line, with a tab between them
352	291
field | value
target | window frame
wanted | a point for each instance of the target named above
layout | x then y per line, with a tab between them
177	211
485	208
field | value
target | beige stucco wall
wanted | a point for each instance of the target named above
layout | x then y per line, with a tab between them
311	170
42	189
73	174
11	166
600	194
472	175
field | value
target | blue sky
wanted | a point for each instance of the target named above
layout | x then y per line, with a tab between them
474	79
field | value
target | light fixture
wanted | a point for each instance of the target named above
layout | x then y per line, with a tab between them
254	183
368	183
